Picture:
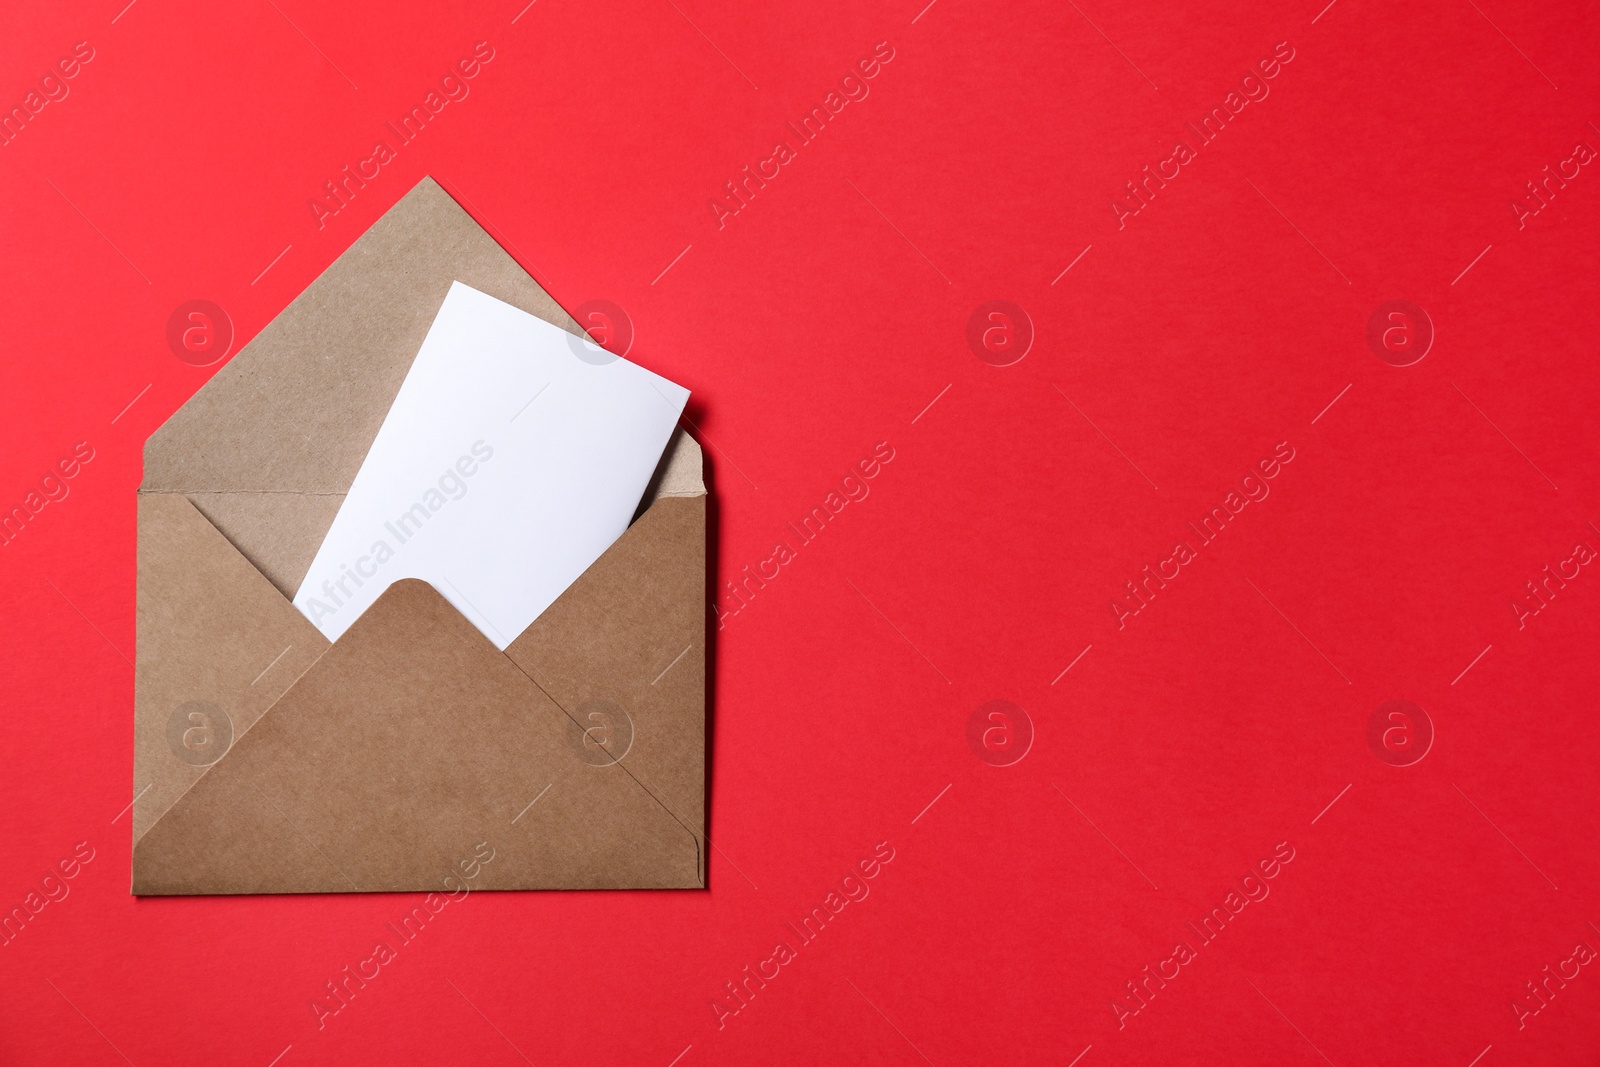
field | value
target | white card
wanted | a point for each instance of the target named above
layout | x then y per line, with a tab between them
512	458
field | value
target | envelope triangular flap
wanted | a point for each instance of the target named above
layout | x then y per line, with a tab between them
294	413
407	744
217	645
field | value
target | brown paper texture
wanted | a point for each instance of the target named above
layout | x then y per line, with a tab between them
268	761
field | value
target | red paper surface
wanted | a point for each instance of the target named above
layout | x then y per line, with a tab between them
1165	754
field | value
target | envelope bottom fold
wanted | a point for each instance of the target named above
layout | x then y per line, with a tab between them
412	746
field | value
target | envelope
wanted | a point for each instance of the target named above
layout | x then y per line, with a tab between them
268	761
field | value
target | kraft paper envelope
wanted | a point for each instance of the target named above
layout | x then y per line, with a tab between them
268	761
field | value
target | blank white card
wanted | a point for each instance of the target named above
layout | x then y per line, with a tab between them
507	465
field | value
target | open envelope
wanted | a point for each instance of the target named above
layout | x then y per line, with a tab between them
268	761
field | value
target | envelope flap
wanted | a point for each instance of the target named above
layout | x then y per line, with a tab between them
408	743
217	645
296	410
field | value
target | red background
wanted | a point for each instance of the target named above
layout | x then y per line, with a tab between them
1220	320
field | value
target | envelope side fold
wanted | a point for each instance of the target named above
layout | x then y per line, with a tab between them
217	645
622	651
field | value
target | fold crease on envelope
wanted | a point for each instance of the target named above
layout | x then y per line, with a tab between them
267	760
